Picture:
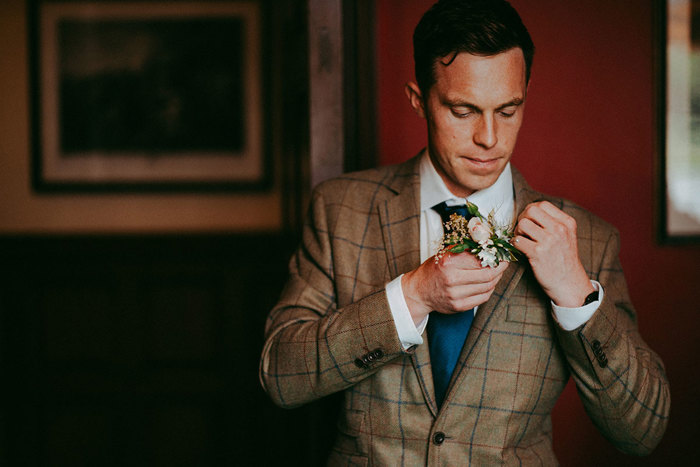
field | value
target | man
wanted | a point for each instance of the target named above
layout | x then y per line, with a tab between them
446	362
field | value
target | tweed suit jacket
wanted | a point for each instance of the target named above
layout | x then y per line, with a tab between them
332	330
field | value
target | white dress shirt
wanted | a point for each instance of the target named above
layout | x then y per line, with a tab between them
498	197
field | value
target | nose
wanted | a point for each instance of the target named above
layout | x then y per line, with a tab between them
485	132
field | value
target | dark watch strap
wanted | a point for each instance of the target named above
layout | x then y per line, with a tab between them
592	297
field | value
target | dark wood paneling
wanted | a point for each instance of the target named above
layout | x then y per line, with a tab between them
360	96
144	351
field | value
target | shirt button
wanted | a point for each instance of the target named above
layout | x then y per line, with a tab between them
439	438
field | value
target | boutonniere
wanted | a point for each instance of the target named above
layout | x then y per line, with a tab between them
479	235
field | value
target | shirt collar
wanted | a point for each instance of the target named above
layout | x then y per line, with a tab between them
498	196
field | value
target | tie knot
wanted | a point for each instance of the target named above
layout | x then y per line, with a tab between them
446	211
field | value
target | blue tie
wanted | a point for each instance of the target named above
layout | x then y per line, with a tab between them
447	332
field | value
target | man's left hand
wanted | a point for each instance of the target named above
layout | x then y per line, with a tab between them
547	236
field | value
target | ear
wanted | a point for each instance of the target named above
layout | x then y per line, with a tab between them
527	87
415	98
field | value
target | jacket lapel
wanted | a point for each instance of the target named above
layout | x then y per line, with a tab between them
399	218
490	312
400	224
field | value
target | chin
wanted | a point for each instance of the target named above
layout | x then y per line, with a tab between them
478	183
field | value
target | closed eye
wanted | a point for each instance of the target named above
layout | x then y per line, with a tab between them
508	112
462	111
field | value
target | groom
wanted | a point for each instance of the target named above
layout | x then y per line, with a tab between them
447	362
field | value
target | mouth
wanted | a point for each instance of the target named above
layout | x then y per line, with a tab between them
483	163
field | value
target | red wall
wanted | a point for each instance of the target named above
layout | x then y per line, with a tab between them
588	136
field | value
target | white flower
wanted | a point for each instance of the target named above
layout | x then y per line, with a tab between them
488	257
502	233
478	230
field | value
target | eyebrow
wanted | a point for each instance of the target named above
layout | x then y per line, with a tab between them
512	103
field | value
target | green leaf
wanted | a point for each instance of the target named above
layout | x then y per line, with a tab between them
470	243
458	249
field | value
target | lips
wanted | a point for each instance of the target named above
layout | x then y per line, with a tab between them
481	162
481	167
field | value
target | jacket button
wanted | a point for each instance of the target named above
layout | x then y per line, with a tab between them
359	363
378	353
439	438
596	344
603	361
371	357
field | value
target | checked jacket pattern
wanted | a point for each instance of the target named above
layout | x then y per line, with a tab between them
333	315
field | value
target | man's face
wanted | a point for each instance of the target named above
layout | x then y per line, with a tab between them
474	111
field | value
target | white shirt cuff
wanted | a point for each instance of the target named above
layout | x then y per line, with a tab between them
571	318
409	334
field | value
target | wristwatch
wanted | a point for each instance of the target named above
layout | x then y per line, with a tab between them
592	297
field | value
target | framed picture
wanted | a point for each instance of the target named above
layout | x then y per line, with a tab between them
154	95
679	121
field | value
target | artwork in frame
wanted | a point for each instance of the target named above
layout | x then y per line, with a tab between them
163	95
679	118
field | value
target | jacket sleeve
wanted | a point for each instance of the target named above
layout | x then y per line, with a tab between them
313	348
620	380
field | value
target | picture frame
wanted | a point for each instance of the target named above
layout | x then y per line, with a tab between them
147	96
678	121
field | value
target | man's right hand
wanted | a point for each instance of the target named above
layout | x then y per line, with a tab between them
453	284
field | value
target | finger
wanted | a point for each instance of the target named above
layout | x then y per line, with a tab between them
462	292
465	260
554	211
484	276
474	300
471	262
565	222
502	266
524	244
461	278
529	229
530	211
500	269
541	216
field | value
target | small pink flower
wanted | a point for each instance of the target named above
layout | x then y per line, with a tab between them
478	230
